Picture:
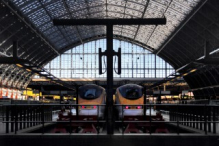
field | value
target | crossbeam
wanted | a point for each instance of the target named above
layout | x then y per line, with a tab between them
144	21
12	60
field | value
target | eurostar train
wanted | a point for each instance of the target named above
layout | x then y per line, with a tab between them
131	99
90	98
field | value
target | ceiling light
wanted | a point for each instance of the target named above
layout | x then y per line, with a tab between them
193	70
28	70
19	65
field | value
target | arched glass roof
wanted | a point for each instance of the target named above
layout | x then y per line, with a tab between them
82	62
190	23
41	12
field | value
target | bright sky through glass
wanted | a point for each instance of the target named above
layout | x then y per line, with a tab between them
82	62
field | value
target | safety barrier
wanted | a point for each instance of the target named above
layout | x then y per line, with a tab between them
70	118
18	117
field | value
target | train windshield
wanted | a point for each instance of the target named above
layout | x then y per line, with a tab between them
131	92
90	92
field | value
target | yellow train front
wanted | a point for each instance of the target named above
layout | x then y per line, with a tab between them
131	99
90	100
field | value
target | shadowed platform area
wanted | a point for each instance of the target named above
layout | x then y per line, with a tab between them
108	140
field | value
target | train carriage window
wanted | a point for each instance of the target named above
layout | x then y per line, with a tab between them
90	91
131	92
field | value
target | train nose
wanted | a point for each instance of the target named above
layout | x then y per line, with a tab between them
133	112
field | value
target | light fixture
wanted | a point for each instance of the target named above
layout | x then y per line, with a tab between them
28	70
19	65
193	70
185	74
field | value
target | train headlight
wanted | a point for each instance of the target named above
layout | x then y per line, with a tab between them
139	107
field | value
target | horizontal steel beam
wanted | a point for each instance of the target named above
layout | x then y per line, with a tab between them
12	60
145	21
209	61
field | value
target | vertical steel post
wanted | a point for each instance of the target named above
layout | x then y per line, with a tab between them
178	119
28	118
190	119
109	101
187	116
159	97
123	129
42	118
214	120
77	102
201	118
16	119
205	116
150	120
20	118
193	118
209	118
12	118
98	129
144	107
31	116
70	125
196	118
34	116
61	96
77	111
24	118
155	66
7	119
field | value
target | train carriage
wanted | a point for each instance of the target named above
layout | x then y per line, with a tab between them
90	99
132	98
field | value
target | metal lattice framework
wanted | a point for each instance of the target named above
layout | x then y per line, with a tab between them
41	13
189	24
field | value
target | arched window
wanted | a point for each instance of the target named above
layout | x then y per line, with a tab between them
82	62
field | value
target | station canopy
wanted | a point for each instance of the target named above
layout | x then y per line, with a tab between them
41	13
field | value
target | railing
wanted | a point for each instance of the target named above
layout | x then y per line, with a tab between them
7	101
2	112
24	116
214	102
201	117
71	118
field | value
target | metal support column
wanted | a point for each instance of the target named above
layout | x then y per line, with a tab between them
155	66
7	119
77	102
159	97
144	102
61	97
109	100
